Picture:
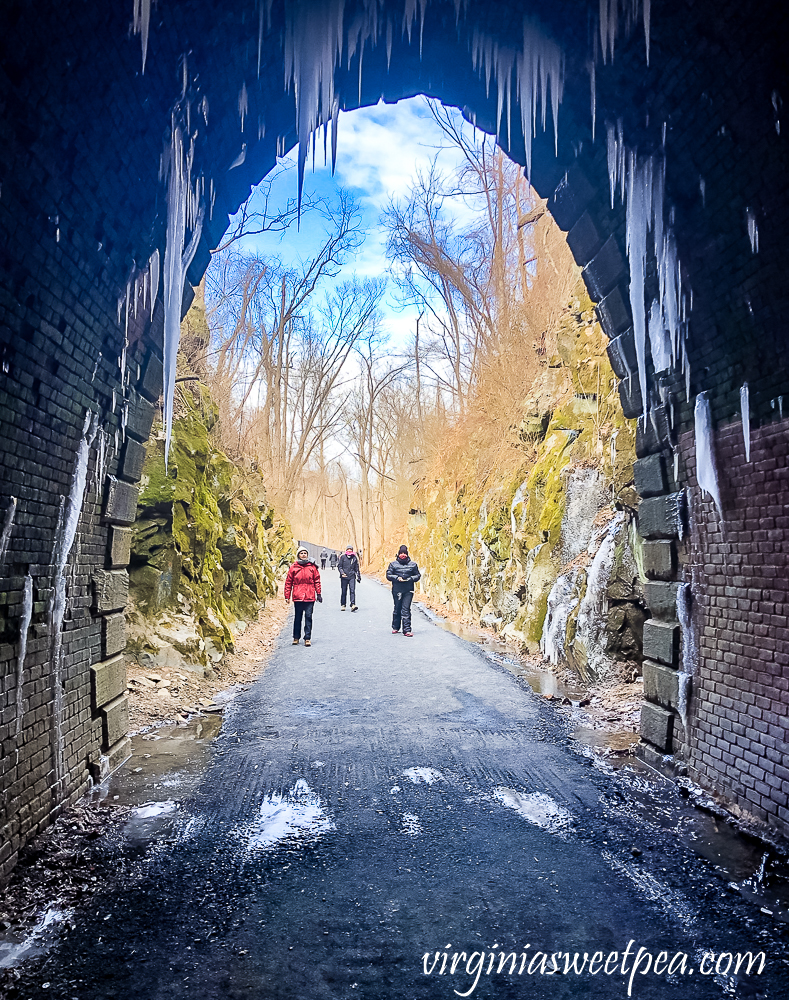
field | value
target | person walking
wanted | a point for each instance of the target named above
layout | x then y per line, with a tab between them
324	557
402	573
303	583
333	560
350	575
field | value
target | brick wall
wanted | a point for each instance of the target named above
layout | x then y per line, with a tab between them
739	709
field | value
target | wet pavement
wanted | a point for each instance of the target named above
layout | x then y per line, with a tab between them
390	817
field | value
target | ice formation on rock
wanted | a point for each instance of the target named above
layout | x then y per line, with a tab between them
689	650
745	409
141	24
184	211
8	527
641	182
706	466
753	230
24	625
65	534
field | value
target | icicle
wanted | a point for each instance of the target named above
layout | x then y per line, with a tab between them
703	192
243	104
659	341
153	267
65	534
780	407
639	217
142	20
8	526
313	44
593	95
753	230
706	467
612	448
647	10
745	409
24	625
260	36
689	654
240	158
176	263
538	68
676	465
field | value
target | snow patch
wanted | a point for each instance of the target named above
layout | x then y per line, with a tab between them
420	775
411	825
537	808
298	814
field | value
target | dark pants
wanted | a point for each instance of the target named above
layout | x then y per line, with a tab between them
323	564
346	583
304	608
402	608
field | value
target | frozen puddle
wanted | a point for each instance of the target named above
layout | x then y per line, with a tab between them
537	808
39	940
426	775
411	825
297	814
155	809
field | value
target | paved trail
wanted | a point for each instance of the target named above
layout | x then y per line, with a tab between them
375	798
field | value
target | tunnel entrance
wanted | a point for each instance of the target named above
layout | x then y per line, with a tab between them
642	130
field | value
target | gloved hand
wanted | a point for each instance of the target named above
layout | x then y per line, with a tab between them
358	579
319	599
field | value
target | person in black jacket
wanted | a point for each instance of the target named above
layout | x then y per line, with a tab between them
333	560
350	575
403	573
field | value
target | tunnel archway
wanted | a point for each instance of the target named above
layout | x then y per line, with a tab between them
84	219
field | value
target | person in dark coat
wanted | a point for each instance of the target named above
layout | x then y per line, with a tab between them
333	560
303	583
324	557
402	573
350	575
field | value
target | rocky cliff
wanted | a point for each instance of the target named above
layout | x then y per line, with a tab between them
544	549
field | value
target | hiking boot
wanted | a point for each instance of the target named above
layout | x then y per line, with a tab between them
342	607
295	642
307	642
395	631
354	607
408	635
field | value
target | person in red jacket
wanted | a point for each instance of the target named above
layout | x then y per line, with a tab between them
303	583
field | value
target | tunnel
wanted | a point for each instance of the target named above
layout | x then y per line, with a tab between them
132	131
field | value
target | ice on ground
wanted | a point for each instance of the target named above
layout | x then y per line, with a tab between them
423	775
297	814
411	824
395	789
153	809
535	807
39	939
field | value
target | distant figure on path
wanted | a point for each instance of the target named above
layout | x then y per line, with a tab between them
350	575
333	560
324	557
303	582
403	573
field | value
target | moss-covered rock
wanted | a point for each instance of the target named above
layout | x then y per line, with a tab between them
508	536
205	543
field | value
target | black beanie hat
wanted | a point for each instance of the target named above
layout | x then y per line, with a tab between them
402	549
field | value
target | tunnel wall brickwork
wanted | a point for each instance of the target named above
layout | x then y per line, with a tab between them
82	207
738	739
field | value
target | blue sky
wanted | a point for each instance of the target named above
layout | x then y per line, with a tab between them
379	151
